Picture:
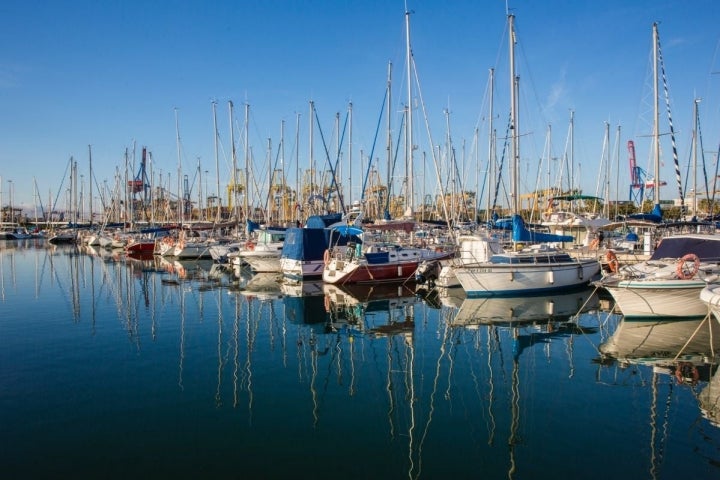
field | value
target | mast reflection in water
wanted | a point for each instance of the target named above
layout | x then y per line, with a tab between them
118	367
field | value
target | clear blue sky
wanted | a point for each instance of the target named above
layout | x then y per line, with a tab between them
115	74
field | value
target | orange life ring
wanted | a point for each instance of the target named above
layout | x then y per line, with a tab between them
249	246
686	372
688	273
612	261
326	257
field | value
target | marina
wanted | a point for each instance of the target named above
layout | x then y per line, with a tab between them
114	366
417	282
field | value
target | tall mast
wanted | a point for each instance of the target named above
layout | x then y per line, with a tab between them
617	171
491	145
181	197
298	197
90	182
572	150
271	172
606	205
514	134
283	184
409	201
696	127
312	156
217	162
656	119
336	170
349	162
247	164
386	214
233	154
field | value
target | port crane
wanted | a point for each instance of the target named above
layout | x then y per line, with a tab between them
639	180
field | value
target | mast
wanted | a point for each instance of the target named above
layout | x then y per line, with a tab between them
91	183
617	170
298	197
386	213
409	201
572	151
696	126
269	207
606	205
247	165
233	154
336	170
656	120
181	197
217	162
312	156
491	144
283	184
349	163
515	138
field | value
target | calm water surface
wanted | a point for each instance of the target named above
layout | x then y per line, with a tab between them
113	367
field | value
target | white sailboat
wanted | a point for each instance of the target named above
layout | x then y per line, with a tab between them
667	285
263	253
538	268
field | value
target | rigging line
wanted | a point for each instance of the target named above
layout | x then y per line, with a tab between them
672	130
333	183
712	200
500	167
709	314
52	207
702	153
429	136
274	167
372	149
597	350
386	210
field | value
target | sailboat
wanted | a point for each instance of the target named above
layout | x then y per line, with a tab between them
375	260
667	285
263	254
539	268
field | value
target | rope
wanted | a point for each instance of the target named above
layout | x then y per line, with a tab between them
672	130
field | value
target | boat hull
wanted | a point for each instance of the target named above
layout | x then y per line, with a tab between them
710	296
300	270
486	280
340	272
662	299
145	246
192	251
263	263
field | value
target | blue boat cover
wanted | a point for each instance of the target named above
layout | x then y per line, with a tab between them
522	234
655	216
305	244
322	221
706	248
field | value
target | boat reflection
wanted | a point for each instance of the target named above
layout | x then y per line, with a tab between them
378	310
659	356
527	309
263	285
709	399
683	348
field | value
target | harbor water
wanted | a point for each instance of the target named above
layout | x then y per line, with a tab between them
115	367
